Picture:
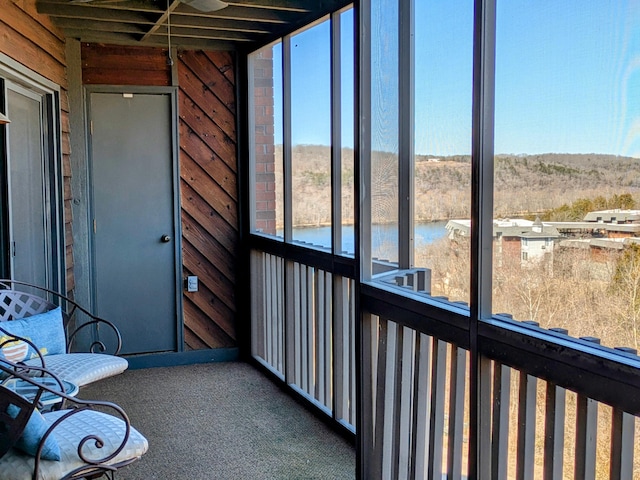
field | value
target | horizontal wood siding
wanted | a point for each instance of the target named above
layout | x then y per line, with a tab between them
32	40
116	65
209	194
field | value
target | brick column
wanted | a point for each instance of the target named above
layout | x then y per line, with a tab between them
265	184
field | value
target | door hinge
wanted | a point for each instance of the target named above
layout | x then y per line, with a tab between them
90	127
13	249
95	226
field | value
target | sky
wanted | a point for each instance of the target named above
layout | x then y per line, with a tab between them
567	78
311	84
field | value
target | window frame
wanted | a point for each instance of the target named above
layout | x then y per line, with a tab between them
49	94
594	370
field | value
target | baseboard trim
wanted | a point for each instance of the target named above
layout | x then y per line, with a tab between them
172	359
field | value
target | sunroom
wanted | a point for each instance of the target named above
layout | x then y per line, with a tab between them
385	206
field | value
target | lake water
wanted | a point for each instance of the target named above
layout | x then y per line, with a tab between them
425	233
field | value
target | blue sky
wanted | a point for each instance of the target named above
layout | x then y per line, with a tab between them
568	73
567	77
310	89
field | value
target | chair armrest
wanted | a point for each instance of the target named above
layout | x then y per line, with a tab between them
97	346
92	451
70	309
94	463
11	371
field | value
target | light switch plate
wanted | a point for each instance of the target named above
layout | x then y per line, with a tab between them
192	283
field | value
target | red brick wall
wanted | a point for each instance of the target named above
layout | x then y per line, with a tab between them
265	193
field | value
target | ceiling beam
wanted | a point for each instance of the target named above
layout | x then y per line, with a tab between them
153	41
56	8
164	18
243	25
94	13
290	5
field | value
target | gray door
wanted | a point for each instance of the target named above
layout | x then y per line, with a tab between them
134	219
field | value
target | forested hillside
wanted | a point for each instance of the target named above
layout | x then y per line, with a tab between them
524	184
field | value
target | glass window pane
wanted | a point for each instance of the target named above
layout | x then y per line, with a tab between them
28	190
266	76
384	133
443	91
311	135
566	167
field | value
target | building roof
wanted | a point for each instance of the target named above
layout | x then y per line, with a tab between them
516	227
613	215
585	243
591	226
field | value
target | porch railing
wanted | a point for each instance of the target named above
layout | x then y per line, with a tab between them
420	417
551	407
313	350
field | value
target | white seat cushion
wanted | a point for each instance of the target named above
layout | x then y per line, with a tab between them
83	368
110	429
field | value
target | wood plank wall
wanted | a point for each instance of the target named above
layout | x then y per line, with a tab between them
208	173
32	40
209	195
116	65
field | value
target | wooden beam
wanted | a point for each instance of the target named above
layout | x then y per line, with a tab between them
155	41
165	18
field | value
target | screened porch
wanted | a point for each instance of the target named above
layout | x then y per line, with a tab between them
309	145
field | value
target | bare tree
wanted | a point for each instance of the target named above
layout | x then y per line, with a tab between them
626	287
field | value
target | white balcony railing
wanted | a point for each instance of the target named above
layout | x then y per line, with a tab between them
313	349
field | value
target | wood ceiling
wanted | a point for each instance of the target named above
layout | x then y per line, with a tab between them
242	25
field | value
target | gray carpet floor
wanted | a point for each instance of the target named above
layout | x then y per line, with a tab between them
222	421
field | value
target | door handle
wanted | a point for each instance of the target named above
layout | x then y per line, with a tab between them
165	238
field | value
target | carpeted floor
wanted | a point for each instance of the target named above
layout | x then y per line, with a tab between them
222	421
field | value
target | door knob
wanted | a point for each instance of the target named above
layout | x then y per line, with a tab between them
165	238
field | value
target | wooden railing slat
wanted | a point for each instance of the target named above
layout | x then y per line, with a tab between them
622	445
328	334
422	407
405	415
439	371
269	311
280	314
297	323
458	375
526	426
368	408
500	421
304	333
396	399
586	432
310	338
483	425
319	358
555	406
389	434
340	351
380	395
352	349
